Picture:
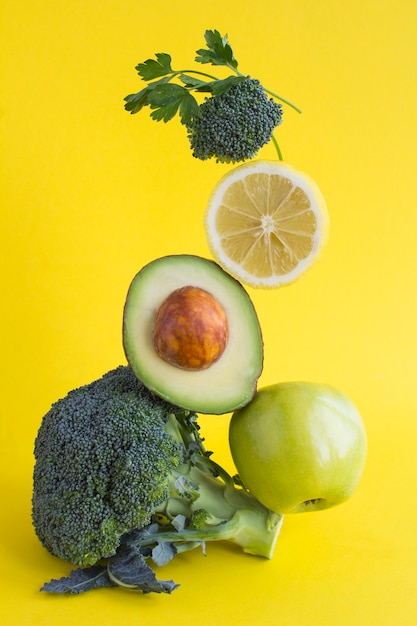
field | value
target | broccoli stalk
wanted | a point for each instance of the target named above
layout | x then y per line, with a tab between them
122	477
214	508
213	502
204	505
200	508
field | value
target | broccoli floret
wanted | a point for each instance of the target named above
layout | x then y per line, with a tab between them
102	462
122	475
234	125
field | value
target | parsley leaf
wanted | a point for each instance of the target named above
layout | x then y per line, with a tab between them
152	68
221	86
219	51
196	83
188	108
165	99
136	101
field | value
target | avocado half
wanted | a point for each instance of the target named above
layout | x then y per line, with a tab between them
227	384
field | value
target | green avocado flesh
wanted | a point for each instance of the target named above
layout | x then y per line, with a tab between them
228	383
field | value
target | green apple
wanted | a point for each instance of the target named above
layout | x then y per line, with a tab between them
299	446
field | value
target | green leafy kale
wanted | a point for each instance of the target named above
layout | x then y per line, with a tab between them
127	568
170	92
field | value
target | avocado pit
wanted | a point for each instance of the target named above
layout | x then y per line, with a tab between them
190	330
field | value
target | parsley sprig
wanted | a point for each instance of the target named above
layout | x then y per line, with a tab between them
170	92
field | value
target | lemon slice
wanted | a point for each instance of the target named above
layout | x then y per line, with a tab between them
266	223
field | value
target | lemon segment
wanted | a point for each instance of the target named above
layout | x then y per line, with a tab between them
266	223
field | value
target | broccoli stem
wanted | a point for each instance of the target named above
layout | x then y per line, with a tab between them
254	532
275	95
277	148
231	513
268	91
176	73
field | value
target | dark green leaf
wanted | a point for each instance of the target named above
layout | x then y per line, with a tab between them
136	101
127	568
164	94
195	83
154	68
188	108
164	113
208	56
207	87
218	52
137	535
80	580
221	86
165	100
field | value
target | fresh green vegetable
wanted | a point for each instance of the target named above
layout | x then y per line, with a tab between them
122	475
299	446
232	124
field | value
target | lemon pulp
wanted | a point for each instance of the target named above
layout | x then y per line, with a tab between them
266	223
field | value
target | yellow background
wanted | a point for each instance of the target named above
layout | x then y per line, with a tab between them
89	194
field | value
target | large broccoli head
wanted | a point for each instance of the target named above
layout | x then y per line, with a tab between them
103	460
234	125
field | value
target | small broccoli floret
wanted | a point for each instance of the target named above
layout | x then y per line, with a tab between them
122	475
233	126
